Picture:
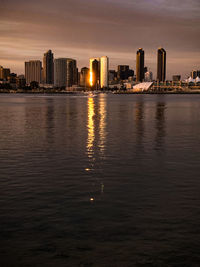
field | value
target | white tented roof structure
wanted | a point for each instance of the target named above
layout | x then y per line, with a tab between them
197	80
142	86
190	80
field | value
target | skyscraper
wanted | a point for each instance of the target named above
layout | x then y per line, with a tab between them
85	77
60	72
161	65
72	74
33	71
140	65
95	72
48	67
104	65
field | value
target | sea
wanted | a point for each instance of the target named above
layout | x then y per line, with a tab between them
100	180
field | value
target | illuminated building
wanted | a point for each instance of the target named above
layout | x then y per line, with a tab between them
161	65
140	65
33	71
99	68
95	72
104	63
48	68
85	77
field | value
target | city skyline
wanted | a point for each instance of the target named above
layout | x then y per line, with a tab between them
113	28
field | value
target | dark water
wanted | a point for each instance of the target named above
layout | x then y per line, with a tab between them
137	156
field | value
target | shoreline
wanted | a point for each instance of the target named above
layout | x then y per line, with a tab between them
98	92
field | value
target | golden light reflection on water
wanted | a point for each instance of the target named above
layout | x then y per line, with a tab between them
90	127
102	123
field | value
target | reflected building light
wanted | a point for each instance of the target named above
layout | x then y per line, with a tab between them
102	123
90	126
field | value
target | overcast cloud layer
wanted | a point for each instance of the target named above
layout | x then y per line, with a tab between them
88	28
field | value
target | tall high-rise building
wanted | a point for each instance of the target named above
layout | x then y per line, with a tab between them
72	74
104	65
33	70
85	77
95	72
48	67
60	72
140	65
161	65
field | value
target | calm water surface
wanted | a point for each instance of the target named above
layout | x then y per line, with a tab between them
137	156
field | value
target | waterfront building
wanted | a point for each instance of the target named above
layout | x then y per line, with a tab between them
48	68
176	78
60	72
33	70
95	72
112	75
161	65
72	73
140	65
4	73
195	74
148	76
85	77
122	72
104	65
20	81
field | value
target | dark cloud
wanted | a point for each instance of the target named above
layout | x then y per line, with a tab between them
91	27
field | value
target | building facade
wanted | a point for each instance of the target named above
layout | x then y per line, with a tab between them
60	72
104	65
48	68
85	77
72	72
140	65
4	73
161	65
33	71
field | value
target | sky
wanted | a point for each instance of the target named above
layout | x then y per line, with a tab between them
82	29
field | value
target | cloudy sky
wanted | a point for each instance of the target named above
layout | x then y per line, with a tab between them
88	28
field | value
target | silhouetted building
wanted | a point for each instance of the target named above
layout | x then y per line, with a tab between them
72	74
161	65
122	72
195	74
176	78
140	65
48	68
85	77
112	75
21	81
4	73
60	72
12	78
33	71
